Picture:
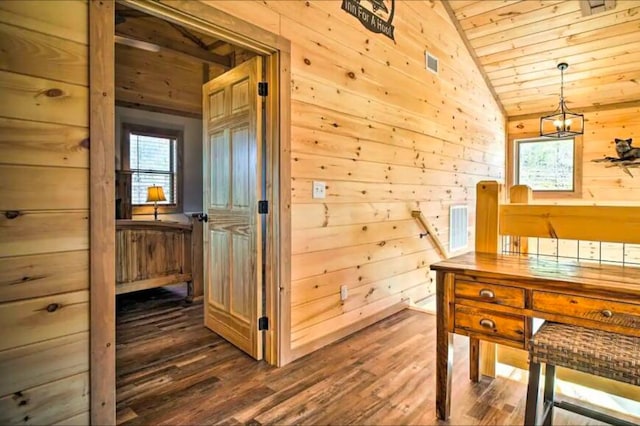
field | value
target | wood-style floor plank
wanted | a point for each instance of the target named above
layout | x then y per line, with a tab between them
172	370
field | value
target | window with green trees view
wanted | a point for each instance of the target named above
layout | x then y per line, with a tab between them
546	164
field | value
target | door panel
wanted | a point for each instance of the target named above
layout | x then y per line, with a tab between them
216	105
219	170
242	273
240	96
219	260
242	167
232	188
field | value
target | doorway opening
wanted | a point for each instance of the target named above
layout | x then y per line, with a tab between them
154	120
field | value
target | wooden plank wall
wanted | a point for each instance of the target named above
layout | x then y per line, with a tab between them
163	81
44	189
600	184
386	136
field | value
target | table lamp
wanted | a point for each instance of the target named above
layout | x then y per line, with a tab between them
155	194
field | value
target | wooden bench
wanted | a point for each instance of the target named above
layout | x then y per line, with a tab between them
598	352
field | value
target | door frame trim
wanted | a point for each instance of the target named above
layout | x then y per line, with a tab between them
277	52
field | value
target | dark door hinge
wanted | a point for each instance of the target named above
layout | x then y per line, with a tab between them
263	88
263	323
201	217
263	207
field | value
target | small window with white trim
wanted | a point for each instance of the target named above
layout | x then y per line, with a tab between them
153	155
547	165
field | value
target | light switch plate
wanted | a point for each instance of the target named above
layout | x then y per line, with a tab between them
344	292
318	189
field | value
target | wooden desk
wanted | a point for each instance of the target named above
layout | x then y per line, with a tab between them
495	298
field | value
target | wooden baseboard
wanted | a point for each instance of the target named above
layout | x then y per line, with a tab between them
421	309
420	305
343	332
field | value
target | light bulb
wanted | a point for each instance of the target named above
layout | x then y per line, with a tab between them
557	123
567	124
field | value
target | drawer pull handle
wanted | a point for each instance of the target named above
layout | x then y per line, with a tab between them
487	293
487	323
607	313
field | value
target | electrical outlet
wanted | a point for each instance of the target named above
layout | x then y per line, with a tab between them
344	292
318	189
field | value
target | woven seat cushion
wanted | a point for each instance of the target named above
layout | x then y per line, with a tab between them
602	353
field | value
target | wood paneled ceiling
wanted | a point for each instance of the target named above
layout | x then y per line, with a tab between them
518	45
161	66
135	25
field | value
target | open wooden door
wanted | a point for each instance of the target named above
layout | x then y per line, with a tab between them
232	121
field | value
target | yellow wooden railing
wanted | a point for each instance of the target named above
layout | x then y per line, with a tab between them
431	233
521	221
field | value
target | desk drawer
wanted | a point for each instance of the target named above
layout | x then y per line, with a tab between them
607	311
490	293
490	323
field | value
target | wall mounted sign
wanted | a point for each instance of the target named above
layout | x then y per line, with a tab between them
375	15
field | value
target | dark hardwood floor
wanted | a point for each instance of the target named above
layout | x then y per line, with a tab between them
172	370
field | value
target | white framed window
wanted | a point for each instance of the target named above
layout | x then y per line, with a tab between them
548	165
153	156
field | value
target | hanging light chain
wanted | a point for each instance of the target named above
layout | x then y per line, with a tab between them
562	68
564	122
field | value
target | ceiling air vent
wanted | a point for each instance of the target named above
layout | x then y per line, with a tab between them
591	7
432	62
458	224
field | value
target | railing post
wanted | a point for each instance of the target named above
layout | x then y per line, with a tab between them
489	197
520	194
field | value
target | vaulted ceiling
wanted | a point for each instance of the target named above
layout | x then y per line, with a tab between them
518	45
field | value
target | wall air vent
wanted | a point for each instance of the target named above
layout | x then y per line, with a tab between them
432	62
458	228
591	7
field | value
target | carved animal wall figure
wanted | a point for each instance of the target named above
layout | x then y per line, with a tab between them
625	151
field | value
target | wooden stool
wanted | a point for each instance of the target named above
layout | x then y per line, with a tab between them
602	353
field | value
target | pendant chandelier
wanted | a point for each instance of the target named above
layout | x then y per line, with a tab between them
562	122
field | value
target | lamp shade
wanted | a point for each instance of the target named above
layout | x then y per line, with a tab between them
155	194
